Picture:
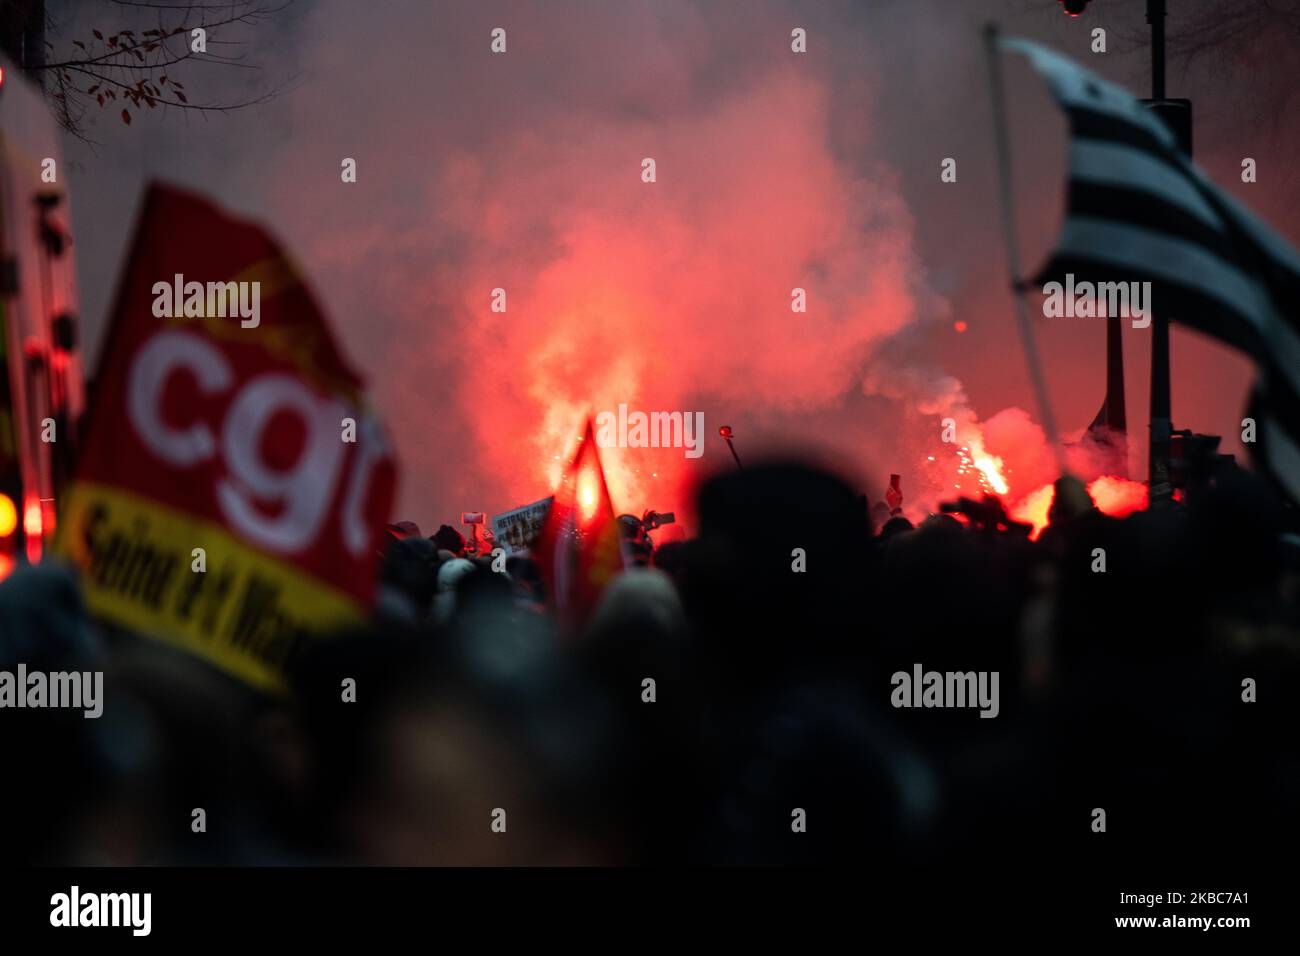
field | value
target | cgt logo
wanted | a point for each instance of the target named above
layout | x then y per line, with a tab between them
283	510
102	909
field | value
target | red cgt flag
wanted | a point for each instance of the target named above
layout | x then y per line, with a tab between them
234	486
579	550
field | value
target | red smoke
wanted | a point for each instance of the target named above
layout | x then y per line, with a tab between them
1007	455
775	170
523	172
673	295
1030	467
1117	497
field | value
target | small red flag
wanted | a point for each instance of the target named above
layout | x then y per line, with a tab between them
579	550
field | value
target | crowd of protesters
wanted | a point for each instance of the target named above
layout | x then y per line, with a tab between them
721	703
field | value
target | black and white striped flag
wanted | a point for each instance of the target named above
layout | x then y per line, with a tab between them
1140	210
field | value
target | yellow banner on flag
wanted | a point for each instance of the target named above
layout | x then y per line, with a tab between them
190	582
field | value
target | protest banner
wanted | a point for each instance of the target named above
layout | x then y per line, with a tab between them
517	530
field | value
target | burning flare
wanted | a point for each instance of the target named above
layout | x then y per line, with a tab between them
1019	463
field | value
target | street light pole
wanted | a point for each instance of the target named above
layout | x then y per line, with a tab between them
1159	485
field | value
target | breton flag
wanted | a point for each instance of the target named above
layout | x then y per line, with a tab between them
1139	210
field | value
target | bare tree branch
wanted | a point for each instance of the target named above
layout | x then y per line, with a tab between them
92	71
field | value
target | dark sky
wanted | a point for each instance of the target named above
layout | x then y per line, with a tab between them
774	170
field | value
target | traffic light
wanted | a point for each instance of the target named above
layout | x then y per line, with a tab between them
1073	8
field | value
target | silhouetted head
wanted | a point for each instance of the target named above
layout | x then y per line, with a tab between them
782	548
895	526
448	538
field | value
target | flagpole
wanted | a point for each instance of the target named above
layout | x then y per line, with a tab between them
1013	247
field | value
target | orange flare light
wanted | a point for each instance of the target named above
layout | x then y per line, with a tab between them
8	516
588	494
34	527
1113	496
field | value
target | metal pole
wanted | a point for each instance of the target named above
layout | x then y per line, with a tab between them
1027	341
726	433
1156	17
1159	487
734	455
